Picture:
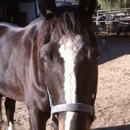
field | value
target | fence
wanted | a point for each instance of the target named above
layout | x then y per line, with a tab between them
112	21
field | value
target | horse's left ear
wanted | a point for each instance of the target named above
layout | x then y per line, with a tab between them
87	7
47	8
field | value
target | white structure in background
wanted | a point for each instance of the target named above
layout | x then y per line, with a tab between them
59	2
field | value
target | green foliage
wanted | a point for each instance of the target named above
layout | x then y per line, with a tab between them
98	6
114	4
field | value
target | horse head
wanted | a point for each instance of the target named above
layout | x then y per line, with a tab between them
69	53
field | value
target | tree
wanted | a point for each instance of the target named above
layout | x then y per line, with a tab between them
114	4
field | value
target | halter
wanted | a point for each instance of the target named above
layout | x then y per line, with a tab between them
73	107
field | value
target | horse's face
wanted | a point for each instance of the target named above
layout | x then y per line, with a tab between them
71	77
70	63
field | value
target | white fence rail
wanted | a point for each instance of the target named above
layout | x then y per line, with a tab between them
112	21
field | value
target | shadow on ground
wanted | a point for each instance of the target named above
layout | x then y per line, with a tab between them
124	127
113	48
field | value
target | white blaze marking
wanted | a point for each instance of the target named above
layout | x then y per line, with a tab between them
69	49
11	126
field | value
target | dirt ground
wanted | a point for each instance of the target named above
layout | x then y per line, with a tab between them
113	97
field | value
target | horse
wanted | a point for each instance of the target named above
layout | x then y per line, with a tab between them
52	66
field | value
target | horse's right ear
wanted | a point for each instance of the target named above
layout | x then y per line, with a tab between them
47	8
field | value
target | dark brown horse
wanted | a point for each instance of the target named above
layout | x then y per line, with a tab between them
51	66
